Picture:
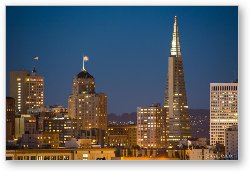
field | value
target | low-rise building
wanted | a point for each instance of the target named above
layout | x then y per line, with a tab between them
231	142
61	154
201	154
122	135
65	126
78	143
42	140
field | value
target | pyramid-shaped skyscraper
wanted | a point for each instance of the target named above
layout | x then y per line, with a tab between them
178	125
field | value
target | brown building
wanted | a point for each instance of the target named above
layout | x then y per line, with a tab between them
30	125
122	135
27	90
231	142
42	140
151	126
10	118
66	128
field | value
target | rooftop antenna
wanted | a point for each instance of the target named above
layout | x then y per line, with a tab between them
35	58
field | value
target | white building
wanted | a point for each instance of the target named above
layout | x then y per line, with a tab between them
223	110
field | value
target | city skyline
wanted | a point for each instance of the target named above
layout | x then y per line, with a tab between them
161	131
124	65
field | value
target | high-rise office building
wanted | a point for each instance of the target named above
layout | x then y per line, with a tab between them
151	124
27	90
85	105
178	125
223	110
18	89
35	91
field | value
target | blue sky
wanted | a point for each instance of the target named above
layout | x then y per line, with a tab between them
128	49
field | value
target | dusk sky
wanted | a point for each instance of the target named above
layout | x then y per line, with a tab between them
128	48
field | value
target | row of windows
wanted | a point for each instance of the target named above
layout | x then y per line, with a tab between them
224	88
60	157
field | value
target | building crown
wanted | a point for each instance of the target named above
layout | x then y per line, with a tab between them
175	45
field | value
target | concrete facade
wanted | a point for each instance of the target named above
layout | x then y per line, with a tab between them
223	110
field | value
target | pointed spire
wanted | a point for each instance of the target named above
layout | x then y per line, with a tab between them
175	46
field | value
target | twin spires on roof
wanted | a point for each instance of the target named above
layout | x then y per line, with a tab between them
175	45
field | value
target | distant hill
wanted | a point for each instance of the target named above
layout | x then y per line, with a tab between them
124	118
199	119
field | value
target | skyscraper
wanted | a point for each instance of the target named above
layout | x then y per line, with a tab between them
223	110
85	105
35	91
178	126
18	89
27	90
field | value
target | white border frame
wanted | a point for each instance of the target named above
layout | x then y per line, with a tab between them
243	71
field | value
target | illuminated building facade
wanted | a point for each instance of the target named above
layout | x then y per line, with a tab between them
85	105
10	118
223	110
178	125
18	89
41	140
65	127
151	125
35	91
122	135
27	90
